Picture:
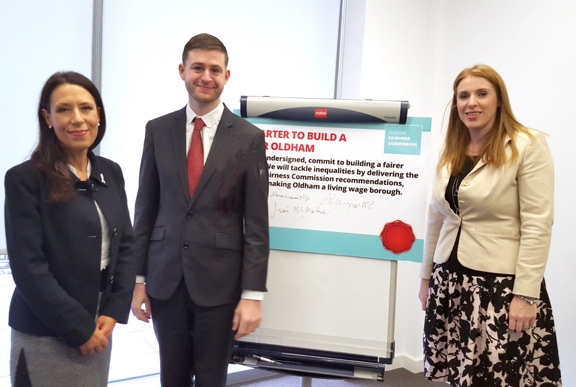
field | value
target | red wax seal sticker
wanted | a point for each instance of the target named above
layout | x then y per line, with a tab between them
397	237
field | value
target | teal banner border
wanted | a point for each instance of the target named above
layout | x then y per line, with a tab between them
338	243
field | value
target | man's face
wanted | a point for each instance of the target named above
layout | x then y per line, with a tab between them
204	74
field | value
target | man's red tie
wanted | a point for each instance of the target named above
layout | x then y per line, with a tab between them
195	159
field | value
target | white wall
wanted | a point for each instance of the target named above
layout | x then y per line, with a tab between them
276	48
37	38
414	49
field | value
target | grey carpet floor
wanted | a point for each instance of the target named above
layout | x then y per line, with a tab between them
395	378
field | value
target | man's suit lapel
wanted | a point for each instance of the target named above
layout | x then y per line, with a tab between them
222	145
178	140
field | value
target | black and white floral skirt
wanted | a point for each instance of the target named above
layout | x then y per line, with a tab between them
466	337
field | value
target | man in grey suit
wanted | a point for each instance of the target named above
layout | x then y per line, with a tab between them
203	250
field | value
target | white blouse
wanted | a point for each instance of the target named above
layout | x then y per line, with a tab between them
105	250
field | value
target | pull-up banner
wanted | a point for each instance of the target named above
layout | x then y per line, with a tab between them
352	189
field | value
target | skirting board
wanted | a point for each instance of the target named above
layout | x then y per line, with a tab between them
414	365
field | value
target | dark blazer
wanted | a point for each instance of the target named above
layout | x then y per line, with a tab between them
218	240
55	249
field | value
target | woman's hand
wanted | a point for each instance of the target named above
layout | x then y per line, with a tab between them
423	293
96	344
99	340
522	315
106	325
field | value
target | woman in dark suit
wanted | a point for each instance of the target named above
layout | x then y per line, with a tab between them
69	240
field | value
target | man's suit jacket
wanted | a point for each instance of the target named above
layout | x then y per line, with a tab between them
55	252
506	215
218	239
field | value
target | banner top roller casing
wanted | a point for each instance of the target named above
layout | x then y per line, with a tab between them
327	110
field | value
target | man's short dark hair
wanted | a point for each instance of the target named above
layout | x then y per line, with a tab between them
204	42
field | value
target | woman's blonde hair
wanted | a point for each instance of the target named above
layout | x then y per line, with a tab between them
458	137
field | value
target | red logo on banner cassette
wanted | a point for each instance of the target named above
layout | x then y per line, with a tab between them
320	113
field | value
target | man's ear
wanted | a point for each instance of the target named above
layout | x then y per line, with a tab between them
181	70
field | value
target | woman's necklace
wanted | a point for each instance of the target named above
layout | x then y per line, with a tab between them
454	191
466	168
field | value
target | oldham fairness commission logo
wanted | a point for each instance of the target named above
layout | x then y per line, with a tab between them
397	237
320	113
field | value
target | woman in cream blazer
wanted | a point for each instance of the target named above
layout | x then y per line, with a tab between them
488	317
506	215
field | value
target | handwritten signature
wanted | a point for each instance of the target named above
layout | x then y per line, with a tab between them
333	200
299	197
288	209
323	208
